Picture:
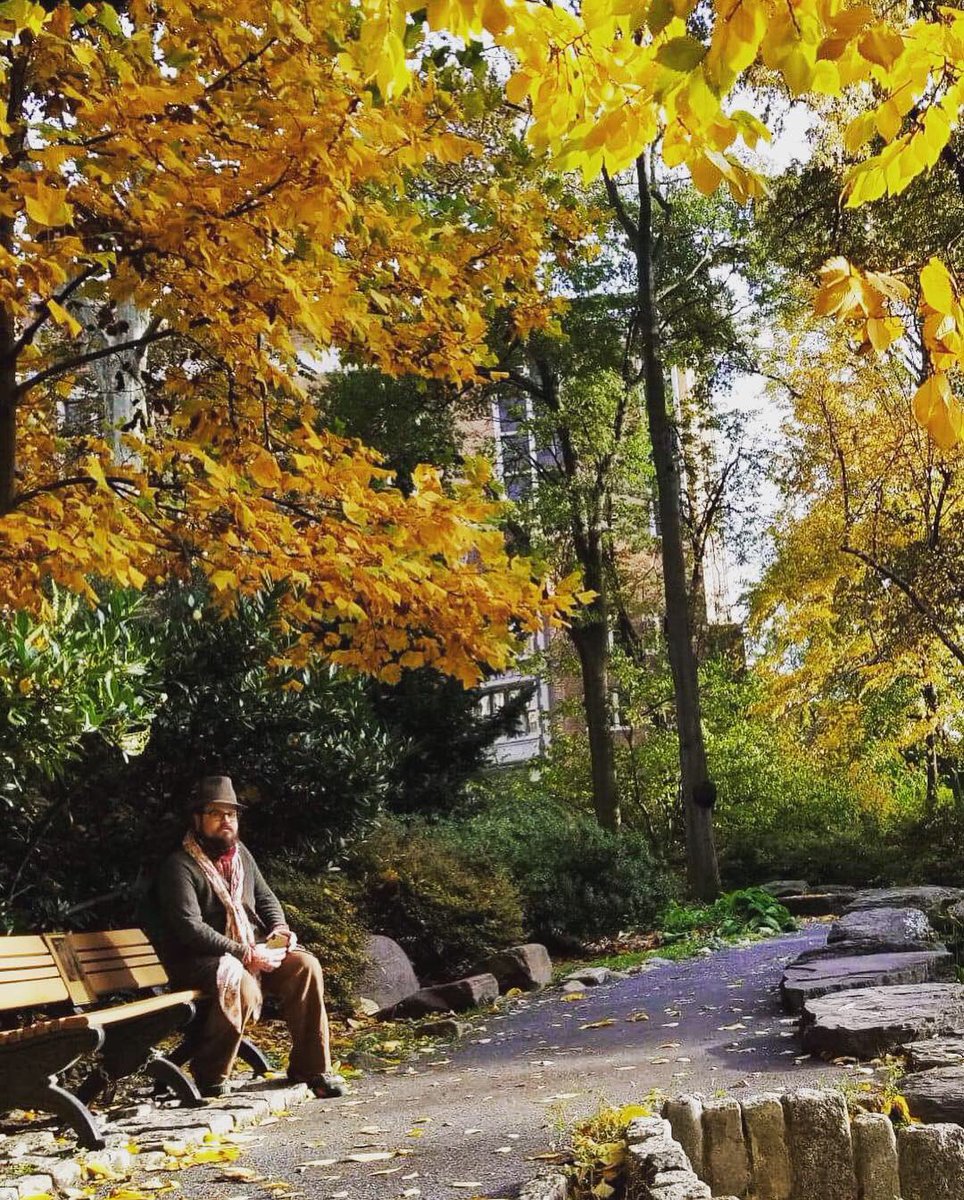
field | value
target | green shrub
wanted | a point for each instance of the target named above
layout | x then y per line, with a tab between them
324	917
448	908
578	882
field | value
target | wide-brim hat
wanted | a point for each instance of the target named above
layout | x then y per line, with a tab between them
214	789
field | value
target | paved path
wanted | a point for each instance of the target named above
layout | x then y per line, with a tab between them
478	1113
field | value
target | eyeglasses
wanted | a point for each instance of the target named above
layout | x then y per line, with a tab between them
230	814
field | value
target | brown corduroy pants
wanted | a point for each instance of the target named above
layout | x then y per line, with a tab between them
299	987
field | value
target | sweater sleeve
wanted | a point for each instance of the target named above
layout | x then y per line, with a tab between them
266	903
180	910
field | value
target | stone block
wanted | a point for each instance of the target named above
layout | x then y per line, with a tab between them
821	1149
875	1157
9	1193
931	1162
725	1161
685	1115
641	1129
447	997
551	1185
764	1131
527	967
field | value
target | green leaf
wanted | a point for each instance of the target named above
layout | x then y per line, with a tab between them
681	53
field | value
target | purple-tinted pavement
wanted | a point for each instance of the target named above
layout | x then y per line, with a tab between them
476	1114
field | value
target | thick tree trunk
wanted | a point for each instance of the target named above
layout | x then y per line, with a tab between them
702	867
592	645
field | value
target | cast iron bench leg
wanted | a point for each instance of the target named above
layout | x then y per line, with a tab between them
169	1075
53	1098
248	1052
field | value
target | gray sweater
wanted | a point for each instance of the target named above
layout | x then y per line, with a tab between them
191	920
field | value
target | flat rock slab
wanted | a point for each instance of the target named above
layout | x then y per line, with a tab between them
786	887
936	1095
803	981
876	1020
816	904
935	1052
900	926
934	901
861	949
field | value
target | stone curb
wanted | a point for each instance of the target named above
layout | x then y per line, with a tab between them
150	1127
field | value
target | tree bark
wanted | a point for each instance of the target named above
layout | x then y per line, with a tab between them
592	645
702	868
591	636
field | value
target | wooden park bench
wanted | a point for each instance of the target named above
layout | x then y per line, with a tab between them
83	972
124	961
33	976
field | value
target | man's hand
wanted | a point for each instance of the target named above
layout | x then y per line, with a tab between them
263	959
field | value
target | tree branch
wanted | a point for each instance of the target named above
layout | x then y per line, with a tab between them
920	605
628	224
80	360
44	313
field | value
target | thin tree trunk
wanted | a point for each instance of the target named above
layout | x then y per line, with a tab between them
592	645
8	415
702	867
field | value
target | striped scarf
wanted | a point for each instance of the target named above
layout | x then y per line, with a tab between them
230	892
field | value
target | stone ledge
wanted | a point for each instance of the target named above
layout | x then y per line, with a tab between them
150	1127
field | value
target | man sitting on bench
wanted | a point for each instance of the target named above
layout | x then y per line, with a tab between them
221	929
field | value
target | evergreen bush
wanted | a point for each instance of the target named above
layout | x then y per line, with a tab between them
578	882
446	906
323	915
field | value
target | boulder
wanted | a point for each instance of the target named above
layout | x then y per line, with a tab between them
907	927
388	975
785	887
935	1052
875	1020
936	1095
934	901
446	997
816	904
526	967
804	981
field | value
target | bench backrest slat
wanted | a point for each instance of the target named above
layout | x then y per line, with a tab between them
117	960
29	974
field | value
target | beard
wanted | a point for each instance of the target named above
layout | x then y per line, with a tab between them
217	845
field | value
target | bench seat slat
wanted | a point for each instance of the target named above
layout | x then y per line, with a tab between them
26	1033
138	1008
14	968
32	992
91	962
15	945
108	939
124	979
